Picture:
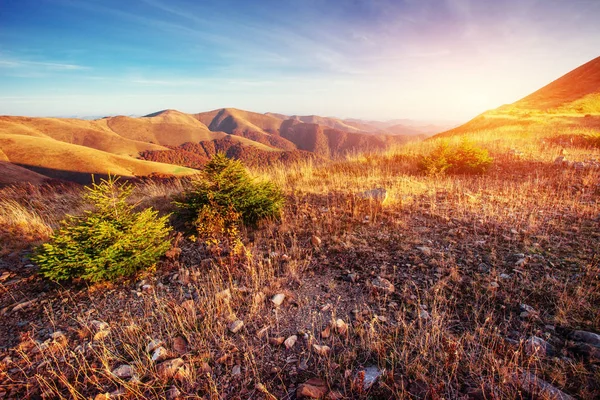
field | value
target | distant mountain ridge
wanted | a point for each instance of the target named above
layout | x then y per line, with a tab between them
168	141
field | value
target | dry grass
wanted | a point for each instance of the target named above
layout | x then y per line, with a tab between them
452	328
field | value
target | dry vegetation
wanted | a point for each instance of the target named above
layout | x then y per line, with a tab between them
479	265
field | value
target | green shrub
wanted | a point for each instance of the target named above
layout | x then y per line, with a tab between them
225	189
110	241
465	158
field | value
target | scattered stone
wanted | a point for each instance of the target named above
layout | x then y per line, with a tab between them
303	366
368	376
315	240
314	388
290	342
494	285
236	370
180	344
278	299
586	337
277	341
540	389
527	311
383	285
123	371
160	354
538	346
341	327
153	345
236	326
168	369
321	350
505	276
426	251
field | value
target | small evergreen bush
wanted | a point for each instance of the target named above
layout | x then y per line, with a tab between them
110	241
227	192
466	158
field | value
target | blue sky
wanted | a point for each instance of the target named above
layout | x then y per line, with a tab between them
380	59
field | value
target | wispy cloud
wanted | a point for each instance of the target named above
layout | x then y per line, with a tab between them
39	65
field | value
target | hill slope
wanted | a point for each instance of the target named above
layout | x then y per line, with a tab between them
569	105
73	162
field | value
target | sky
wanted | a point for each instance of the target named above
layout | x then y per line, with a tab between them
374	59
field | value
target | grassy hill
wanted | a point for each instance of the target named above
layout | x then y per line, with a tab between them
565	112
74	162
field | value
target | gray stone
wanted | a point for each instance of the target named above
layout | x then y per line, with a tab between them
586	337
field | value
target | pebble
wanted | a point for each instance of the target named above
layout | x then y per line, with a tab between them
160	354
383	285
314	388
370	375
290	341
236	326
123	371
168	369
315	240
321	350
278	299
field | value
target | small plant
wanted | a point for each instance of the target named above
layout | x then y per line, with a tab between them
466	158
224	190
110	241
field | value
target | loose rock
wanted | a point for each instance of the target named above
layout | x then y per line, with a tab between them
236	326
290	342
314	388
538	346
321	350
169	368
539	388
278	299
383	285
160	354
315	240
123	371
587	337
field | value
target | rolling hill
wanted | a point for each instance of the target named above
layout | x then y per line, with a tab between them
73	149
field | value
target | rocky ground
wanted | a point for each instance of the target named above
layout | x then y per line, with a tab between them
343	298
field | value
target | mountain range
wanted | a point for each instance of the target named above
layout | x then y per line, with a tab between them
171	142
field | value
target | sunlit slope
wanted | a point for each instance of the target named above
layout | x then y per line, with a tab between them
93	134
63	160
569	105
577	91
